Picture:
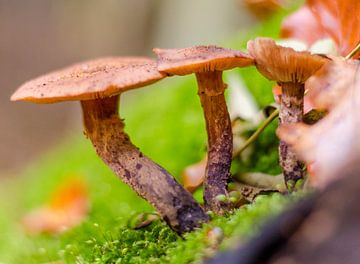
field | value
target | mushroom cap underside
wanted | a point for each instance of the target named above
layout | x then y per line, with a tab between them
283	64
200	59
99	78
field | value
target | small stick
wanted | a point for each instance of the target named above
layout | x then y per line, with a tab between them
257	133
353	52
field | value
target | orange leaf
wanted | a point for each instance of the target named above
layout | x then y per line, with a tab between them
338	19
332	82
302	25
67	208
193	175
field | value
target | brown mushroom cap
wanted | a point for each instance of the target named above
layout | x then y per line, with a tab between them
200	59
283	64
88	80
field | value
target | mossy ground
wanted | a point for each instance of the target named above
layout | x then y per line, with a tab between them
166	122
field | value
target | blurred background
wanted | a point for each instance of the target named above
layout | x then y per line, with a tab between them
38	36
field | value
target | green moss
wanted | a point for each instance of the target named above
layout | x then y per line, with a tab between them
157	243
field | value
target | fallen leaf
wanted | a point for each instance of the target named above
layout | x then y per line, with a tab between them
193	176
67	207
302	25
332	82
317	19
340	19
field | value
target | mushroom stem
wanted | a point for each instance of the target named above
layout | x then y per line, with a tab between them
291	111
220	139
152	182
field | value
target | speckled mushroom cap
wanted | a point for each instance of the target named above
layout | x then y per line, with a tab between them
200	59
88	80
282	64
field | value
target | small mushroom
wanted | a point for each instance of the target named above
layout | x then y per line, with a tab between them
98	85
290	69
332	145
208	63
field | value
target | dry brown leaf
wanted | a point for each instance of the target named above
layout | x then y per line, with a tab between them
67	208
332	82
302	25
331	146
193	176
338	19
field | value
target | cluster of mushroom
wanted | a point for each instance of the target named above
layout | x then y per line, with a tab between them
98	84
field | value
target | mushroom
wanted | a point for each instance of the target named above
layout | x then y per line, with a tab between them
290	69
98	85
208	63
332	145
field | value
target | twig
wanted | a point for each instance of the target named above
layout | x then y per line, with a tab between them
353	52
256	134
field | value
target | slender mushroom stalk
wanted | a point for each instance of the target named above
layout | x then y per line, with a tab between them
290	69
291	111
106	131
208	63
220	138
100	82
